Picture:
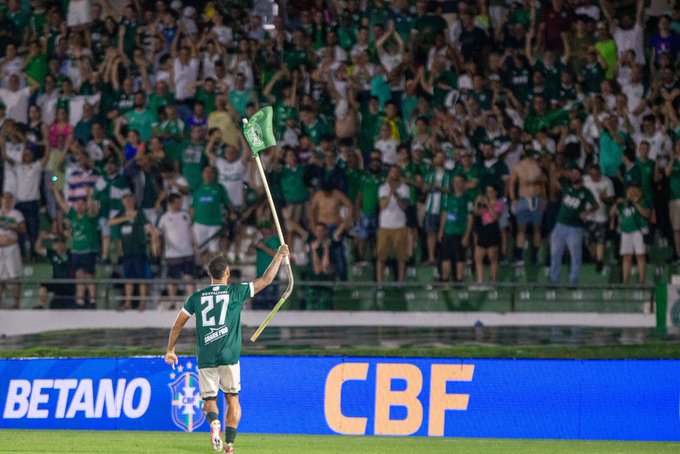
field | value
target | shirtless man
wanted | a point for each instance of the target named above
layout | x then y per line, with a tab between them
332	208
527	194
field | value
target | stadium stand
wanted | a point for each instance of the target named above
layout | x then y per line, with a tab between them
467	145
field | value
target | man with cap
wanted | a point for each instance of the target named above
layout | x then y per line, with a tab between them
576	204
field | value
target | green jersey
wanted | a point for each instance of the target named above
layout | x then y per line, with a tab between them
61	264
632	177
142	122
647	174
109	192
262	259
124	102
470	174
208	201
209	99
133	236
354	177
410	173
440	178
457	209
574	202
218	327
675	180
370	202
157	101
493	173
293	184
631	218
84	232
315	131
193	160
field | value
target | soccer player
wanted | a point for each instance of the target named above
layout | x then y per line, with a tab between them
218	341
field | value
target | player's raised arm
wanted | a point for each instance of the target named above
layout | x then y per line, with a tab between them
273	268
180	321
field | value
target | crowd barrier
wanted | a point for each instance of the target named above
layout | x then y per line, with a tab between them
556	399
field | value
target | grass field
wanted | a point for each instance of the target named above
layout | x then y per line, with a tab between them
60	441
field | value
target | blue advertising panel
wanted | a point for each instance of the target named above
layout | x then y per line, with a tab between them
568	399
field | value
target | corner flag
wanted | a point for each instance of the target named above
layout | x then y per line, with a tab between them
259	131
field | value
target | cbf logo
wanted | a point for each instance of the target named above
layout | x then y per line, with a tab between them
186	401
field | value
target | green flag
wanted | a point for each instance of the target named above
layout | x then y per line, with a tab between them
259	131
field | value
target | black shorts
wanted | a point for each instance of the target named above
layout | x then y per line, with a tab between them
411	217
85	262
136	267
452	248
595	232
489	235
180	267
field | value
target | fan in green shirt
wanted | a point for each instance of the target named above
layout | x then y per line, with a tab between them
292	179
632	216
312	125
36	63
673	174
371	180
140	118
192	158
208	200
470	174
161	97
218	338
84	229
576	200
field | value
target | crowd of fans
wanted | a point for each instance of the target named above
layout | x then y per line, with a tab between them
482	131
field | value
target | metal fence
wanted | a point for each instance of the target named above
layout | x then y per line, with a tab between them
364	295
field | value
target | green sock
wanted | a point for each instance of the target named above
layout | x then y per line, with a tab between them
212	416
229	434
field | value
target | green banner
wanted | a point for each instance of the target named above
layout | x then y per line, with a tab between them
259	131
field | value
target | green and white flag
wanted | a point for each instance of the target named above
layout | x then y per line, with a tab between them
259	131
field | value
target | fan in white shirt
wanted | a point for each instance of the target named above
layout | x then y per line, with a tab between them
387	145
185	66
16	98
232	172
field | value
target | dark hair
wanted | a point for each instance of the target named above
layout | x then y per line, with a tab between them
629	153
173	196
218	266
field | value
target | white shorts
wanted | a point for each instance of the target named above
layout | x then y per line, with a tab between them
78	13
223	378
104	227
632	243
203	232
674	209
10	262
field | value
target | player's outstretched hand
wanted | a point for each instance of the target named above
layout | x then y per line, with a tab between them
171	359
283	250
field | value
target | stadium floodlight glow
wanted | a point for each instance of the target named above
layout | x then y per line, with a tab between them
259	135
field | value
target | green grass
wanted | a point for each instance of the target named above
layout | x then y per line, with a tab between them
174	442
655	350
